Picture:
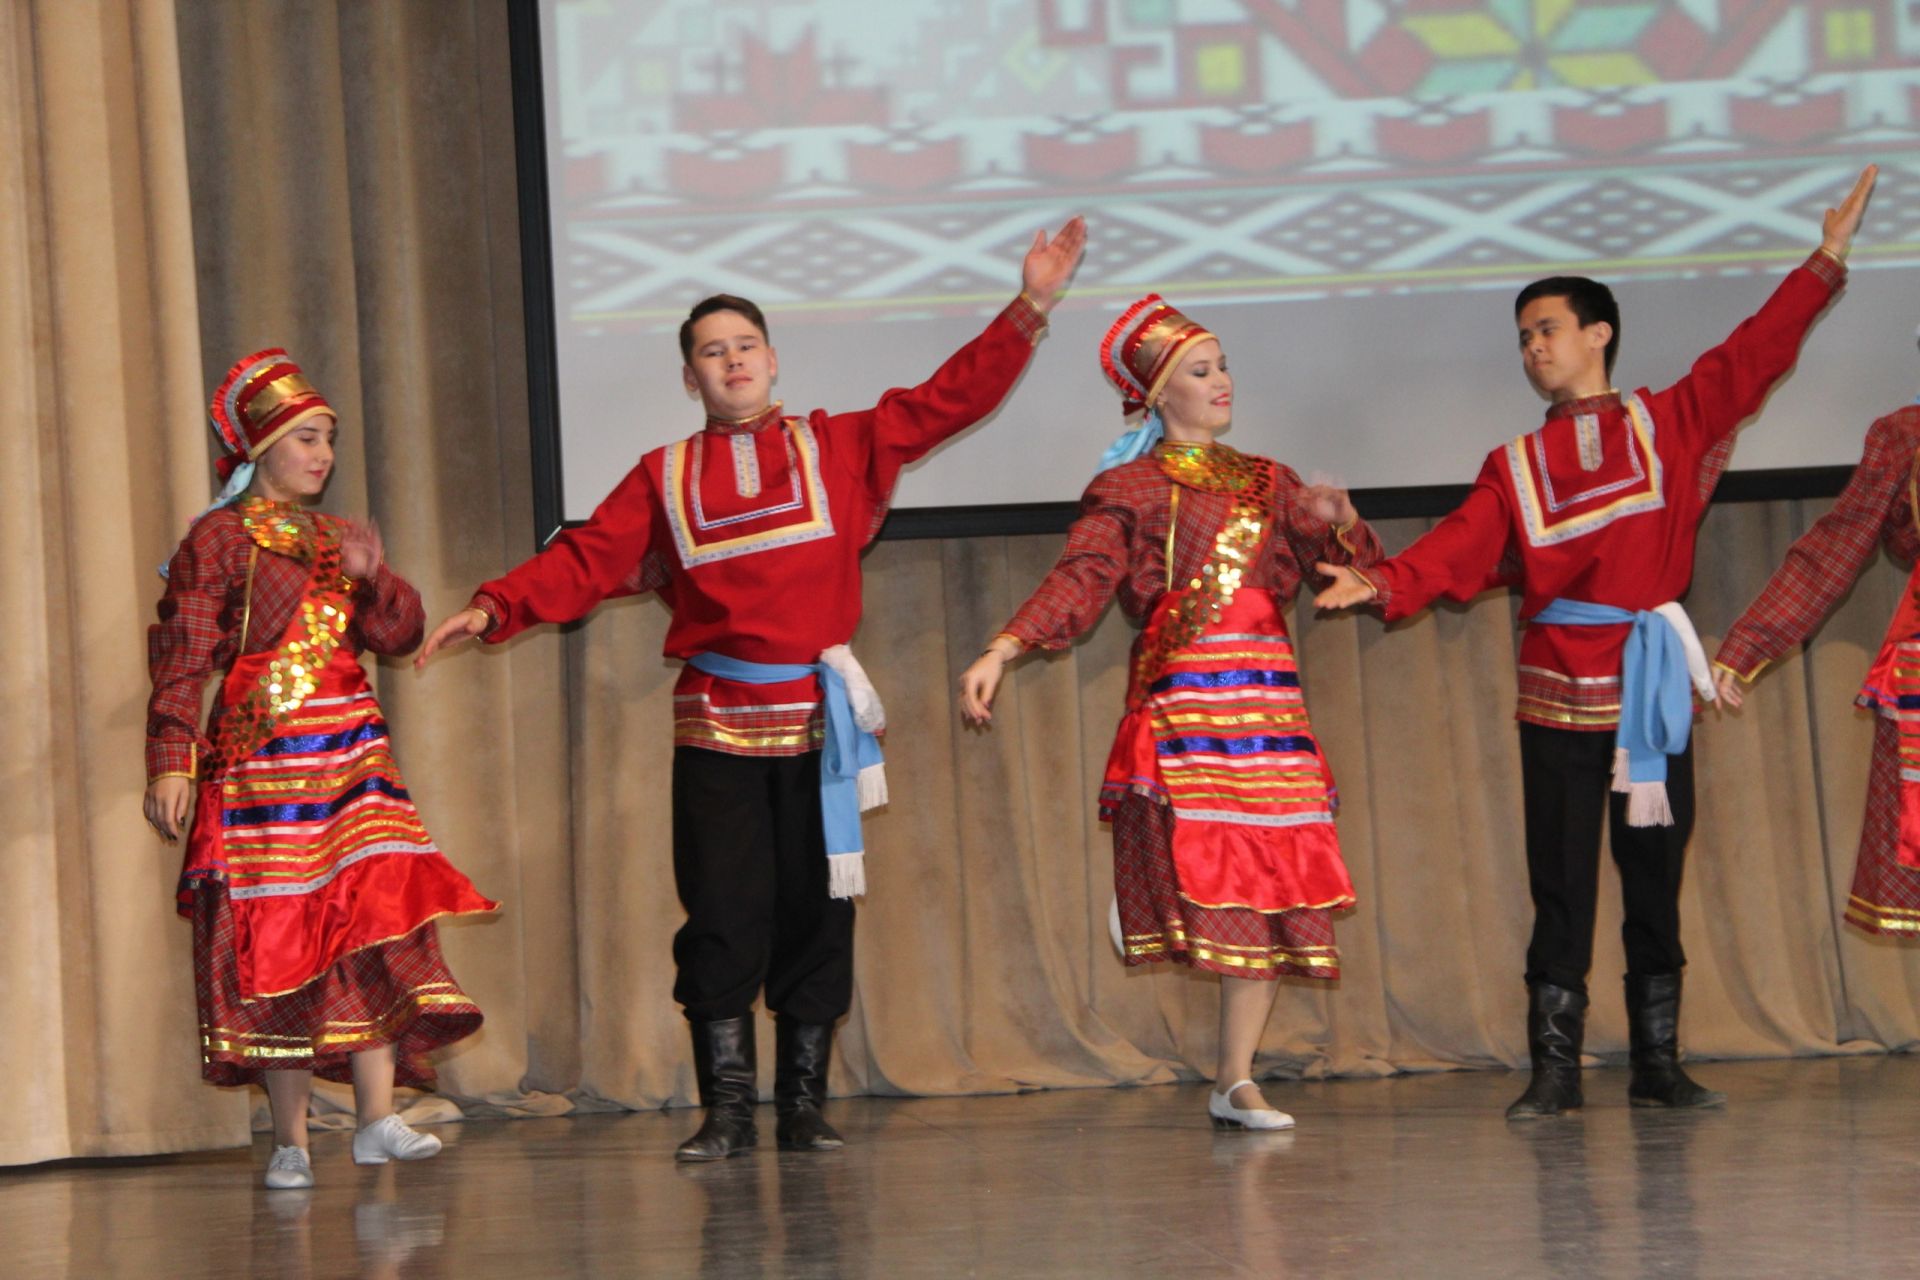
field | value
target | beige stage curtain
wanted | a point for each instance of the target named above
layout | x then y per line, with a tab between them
100	383
356	204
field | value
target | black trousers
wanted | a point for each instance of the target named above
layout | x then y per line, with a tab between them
750	865
1566	775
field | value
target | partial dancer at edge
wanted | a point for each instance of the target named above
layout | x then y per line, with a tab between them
311	883
1879	507
1594	516
1222	802
751	531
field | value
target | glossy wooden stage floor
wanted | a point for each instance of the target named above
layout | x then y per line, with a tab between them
1814	1170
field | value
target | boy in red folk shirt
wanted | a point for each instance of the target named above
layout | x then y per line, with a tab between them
751	531
1593	517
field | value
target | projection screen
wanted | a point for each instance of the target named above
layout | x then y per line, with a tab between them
1348	191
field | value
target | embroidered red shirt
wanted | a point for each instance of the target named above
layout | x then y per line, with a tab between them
753	538
1602	504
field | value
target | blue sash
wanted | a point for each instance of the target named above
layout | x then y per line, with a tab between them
848	748
1656	704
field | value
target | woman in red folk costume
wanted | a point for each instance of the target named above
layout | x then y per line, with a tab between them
310	881
1879	507
1225	854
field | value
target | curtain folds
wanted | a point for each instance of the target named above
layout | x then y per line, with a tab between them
175	192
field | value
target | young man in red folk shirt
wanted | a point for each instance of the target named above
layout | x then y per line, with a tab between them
1593	517
751	532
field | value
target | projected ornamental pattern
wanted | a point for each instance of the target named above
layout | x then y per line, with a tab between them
862	160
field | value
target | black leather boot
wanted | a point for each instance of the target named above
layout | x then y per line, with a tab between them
1653	1023
1556	1024
800	1086
723	1063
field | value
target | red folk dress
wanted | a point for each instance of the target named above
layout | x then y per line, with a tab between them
1875	509
1225	855
310	881
1602	504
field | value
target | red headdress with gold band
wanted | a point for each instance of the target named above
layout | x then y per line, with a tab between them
264	397
1142	349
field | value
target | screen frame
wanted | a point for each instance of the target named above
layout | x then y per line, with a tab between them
528	87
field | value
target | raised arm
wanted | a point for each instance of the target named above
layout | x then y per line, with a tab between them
908	422
1728	384
1823	563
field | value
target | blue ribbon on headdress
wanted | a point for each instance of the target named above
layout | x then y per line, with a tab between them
1134	443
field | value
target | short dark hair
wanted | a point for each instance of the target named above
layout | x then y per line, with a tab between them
706	307
1589	300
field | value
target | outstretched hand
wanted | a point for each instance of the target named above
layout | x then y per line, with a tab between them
1348	588
1840	224
1726	687
467	622
1049	263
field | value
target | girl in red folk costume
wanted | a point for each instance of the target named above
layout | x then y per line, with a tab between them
1225	854
311	884
1880	506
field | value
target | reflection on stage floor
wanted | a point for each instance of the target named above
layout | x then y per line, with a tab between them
1811	1171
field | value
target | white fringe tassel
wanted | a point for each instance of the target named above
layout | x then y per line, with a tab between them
861	695
872	783
1647	805
1622	778
846	875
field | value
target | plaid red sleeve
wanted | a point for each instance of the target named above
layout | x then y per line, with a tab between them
182	646
1825	561
1076	590
388	614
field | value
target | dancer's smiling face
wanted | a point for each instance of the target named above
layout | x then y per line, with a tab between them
297	465
1197	402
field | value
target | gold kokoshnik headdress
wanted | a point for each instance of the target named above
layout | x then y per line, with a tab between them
1139	354
264	397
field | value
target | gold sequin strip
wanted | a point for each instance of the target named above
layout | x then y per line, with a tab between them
1213	468
293	673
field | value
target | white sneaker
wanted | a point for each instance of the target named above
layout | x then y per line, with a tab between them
289	1169
1227	1116
389	1138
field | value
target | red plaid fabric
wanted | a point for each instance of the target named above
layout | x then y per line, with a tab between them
1824	563
1118	546
1886	896
1158	923
205	607
399	993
